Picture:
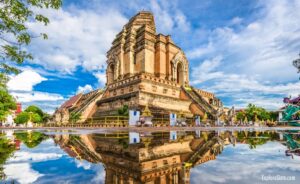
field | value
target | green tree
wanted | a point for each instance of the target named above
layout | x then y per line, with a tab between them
14	34
251	111
6	151
123	111
31	139
37	115
35	118
34	109
22	118
46	117
7	103
74	117
240	116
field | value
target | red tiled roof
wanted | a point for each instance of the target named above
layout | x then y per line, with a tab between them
72	101
296	100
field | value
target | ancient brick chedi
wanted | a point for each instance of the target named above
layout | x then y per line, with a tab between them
146	68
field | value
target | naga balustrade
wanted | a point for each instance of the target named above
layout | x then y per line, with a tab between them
118	121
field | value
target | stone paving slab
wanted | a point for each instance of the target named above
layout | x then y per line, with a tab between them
147	129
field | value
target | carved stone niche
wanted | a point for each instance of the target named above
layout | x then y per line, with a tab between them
180	69
114	69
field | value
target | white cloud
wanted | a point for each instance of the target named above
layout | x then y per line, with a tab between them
36	96
83	163
24	173
253	59
265	159
101	76
84	89
236	20
168	17
264	47
24	156
25	81
207	70
46	101
77	37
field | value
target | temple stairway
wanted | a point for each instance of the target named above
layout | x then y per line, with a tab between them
201	103
88	101
204	148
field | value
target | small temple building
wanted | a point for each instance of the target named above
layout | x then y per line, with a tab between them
144	68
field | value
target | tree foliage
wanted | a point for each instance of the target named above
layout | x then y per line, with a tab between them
31	139
14	34
22	118
32	113
123	111
74	117
6	151
253	111
34	109
7	103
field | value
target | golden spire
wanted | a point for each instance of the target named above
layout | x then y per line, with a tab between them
181	114
146	112
204	119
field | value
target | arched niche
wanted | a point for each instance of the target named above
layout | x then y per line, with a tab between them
180	67
180	74
114	69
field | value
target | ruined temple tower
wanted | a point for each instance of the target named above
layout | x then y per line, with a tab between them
147	68
144	68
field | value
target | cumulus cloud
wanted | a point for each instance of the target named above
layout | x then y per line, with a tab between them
101	76
24	156
24	173
22	85
83	163
36	96
84	89
263	47
77	37
255	59
25	81
265	159
236	20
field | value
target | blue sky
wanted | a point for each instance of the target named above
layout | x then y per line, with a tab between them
241	50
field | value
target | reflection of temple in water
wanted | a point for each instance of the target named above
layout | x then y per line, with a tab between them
164	157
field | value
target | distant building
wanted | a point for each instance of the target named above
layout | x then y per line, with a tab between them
19	108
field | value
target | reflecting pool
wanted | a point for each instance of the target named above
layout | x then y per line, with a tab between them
173	157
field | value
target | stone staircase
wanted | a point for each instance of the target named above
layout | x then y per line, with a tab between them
202	104
87	101
202	149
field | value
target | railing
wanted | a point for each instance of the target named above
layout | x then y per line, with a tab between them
88	101
108	121
117	121
200	101
204	101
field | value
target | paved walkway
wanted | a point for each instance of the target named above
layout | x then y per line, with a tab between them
148	129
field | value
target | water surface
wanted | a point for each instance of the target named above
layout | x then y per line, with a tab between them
150	157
